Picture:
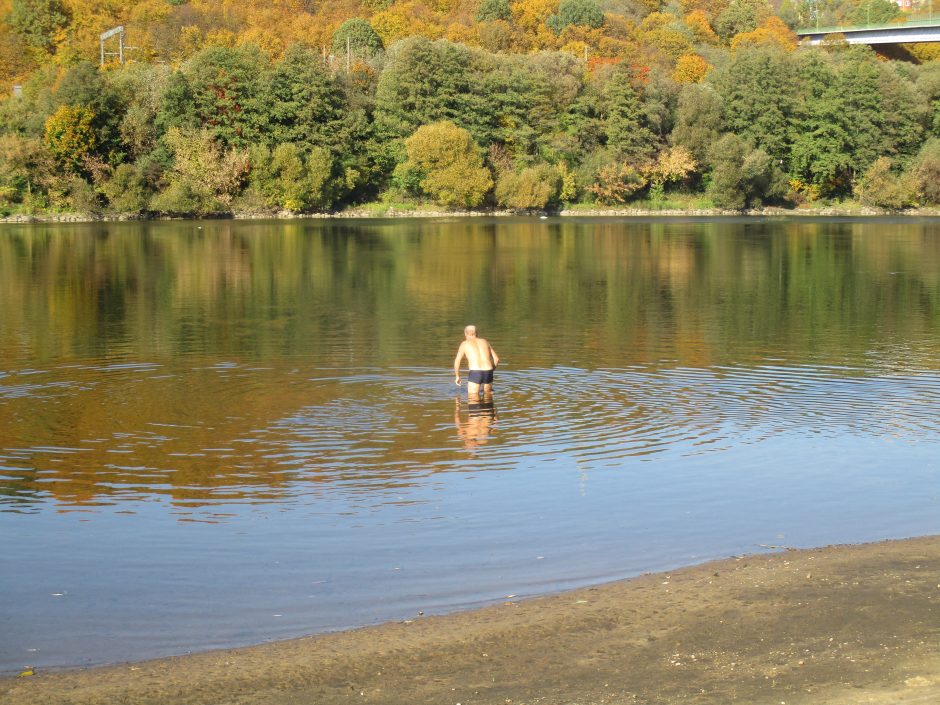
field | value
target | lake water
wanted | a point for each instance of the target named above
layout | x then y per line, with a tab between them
218	433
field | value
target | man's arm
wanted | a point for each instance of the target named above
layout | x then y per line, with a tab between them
460	354
494	356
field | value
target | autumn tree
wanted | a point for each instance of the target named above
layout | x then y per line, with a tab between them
690	68
445	161
70	136
39	22
742	16
925	172
532	188
879	186
205	175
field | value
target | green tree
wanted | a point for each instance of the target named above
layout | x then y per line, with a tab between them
303	104
492	10
364	42
127	190
625	124
822	144
874	12
858	85
85	85
177	106
225	85
741	16
698	120
447	164
743	176
290	179
425	82
39	22
758	92
582	13
204	177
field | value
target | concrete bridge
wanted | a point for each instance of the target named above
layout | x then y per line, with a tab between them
911	32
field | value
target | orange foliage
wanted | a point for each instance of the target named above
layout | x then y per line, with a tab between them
772	32
698	22
461	34
596	62
690	68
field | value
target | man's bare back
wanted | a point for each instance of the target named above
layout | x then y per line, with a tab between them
481	359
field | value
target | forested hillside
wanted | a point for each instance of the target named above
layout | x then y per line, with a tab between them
521	104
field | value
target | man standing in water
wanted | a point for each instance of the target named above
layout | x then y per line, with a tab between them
481	359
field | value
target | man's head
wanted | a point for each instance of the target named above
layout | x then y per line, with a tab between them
470	332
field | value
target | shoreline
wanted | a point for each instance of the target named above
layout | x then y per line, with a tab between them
833	212
839	625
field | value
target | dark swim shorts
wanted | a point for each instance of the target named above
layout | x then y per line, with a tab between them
481	376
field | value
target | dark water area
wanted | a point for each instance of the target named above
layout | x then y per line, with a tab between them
219	433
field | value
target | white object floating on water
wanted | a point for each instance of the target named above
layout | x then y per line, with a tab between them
58	594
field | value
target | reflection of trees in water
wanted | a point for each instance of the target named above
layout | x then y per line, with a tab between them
322	294
698	292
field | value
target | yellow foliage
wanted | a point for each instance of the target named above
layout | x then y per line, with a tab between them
190	40
530	15
619	48
670	42
69	135
461	34
449	163
656	20
924	52
698	22
221	38
576	48
771	32
406	20
590	36
268	42
673	164
147	11
690	68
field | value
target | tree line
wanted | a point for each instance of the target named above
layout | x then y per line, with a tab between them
707	104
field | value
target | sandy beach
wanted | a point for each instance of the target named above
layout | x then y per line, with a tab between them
841	625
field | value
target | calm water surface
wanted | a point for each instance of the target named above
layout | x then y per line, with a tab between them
220	433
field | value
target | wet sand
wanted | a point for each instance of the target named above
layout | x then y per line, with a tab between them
846	625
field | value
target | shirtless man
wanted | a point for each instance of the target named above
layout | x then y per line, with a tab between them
481	359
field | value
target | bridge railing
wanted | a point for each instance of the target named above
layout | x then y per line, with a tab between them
909	19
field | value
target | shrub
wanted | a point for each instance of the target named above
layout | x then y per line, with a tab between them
445	161
882	188
533	188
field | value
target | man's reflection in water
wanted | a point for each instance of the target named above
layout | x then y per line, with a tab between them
475	431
